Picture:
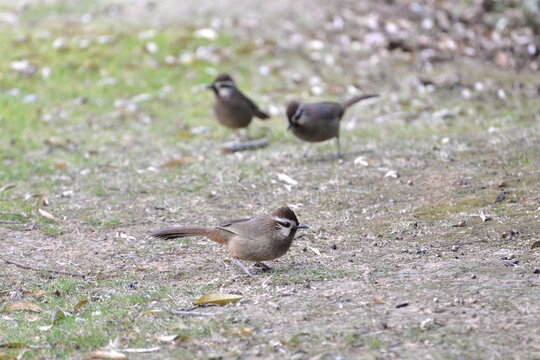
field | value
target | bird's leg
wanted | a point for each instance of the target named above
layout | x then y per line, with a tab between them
247	133
263	266
243	267
339	154
307	150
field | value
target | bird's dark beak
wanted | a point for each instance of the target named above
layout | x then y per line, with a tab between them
289	126
301	226
210	87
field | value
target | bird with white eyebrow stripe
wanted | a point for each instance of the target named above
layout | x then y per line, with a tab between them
263	238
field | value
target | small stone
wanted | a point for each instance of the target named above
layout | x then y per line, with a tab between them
510	256
500	197
374	243
455	248
536	271
473	276
334	247
435	300
131	285
501	183
427	324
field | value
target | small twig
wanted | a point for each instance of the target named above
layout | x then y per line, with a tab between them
10	222
49	270
13	214
194	313
248	145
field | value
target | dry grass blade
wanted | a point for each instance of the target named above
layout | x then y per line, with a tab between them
99	354
49	216
218	299
36	293
13	345
176	162
6	187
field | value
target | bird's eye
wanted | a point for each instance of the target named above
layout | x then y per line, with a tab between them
287	224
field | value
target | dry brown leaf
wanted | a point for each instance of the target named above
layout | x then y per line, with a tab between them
218	299
99	354
48	216
378	301
176	162
21	306
36	293
535	245
13	345
79	305
6	187
57	293
60	166
31	318
4	293
244	331
40	196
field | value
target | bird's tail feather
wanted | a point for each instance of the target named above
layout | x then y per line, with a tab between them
356	99
180	231
261	115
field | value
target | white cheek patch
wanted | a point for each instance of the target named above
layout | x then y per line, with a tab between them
302	119
285	231
225	92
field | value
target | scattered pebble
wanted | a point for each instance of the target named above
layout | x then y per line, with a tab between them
427	324
500	197
536	271
334	247
501	183
473	276
402	305
455	247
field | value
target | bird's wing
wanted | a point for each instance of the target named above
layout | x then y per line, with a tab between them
324	110
253	107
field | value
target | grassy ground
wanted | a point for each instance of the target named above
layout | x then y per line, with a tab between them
91	121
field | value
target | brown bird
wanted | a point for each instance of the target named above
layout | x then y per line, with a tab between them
319	121
263	238
232	108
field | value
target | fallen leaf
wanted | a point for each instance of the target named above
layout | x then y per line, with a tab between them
13	345
79	305
244	331
48	216
167	338
315	250
36	293
106	355
57	293
218	299
42	197
21	306
6	187
535	245
392	174
286	178
378	301
176	162
362	160
31	318
57	315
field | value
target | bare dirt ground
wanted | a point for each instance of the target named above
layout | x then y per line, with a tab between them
423	265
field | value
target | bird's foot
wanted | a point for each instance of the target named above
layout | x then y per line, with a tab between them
262	265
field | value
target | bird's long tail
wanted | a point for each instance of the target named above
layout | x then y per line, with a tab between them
356	99
187	231
261	114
